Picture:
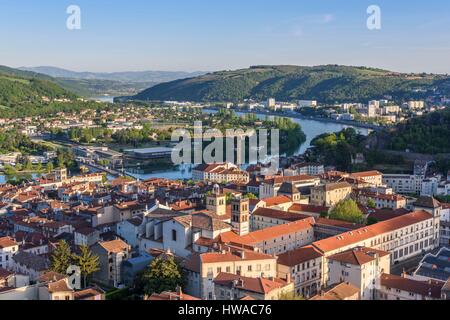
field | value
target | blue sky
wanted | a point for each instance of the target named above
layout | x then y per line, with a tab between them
208	35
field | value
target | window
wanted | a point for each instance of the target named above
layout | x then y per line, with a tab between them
174	235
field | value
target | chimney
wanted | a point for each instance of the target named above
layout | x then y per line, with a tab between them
179	291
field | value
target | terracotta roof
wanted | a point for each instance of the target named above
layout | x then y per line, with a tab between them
296	207
166	295
88	294
424	288
297	256
115	246
257	285
273	232
51	276
274	201
214	257
278	214
368	232
427	202
334	186
358	256
342	291
59	286
366	174
7	242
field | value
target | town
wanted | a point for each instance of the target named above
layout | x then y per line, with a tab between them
307	232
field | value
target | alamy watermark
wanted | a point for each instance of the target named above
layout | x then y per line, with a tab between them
73	22
374	19
191	149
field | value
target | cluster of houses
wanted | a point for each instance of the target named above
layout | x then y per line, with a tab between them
259	238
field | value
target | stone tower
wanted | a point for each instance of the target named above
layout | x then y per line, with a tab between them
240	216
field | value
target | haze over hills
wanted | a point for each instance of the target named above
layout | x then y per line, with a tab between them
329	84
126	76
115	83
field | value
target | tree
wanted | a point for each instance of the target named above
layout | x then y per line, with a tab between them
347	210
49	167
371	221
61	258
371	204
251	196
87	262
163	275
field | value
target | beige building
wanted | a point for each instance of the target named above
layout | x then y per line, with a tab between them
361	267
373	178
403	237
392	287
330	194
302	266
229	286
202	269
275	240
111	255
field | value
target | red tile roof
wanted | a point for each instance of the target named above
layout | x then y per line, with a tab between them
368	232
257	285
358	256
424	288
297	256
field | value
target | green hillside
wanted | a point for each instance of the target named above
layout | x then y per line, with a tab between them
428	134
20	87
328	84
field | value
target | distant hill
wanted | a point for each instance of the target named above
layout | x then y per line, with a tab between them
127	76
18	87
116	83
329	84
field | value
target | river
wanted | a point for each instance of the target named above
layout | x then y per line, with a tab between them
311	128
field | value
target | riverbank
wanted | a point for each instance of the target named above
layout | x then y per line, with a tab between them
301	117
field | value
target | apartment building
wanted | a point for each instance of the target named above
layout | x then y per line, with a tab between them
382	201
445	225
270	187
228	286
404	184
219	173
302	266
403	237
361	267
392	287
373	178
202	269
330	194
275	240
8	248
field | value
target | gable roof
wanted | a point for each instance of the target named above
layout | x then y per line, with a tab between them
371	231
258	285
298	256
358	256
424	288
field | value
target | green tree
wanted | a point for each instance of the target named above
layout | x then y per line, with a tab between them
88	263
49	167
61	258
371	204
163	275
347	210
